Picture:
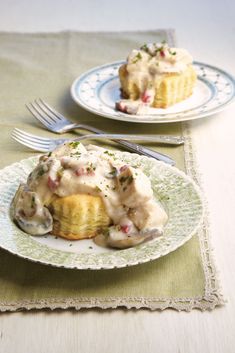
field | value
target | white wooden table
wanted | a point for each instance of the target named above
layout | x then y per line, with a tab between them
206	29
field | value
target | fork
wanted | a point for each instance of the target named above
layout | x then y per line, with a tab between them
44	144
57	123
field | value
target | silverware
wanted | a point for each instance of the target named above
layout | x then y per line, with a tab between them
43	144
57	123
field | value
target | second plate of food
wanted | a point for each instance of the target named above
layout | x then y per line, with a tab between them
98	90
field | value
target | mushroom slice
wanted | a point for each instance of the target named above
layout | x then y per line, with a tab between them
29	213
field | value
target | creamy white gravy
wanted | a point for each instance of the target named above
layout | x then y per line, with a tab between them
146	67
72	169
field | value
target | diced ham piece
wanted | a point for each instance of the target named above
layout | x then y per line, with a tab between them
80	171
52	184
125	229
146	98
121	106
123	168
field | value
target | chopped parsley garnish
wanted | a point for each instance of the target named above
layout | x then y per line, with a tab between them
137	58
123	179
151	51
91	168
97	189
127	179
75	154
113	172
60	172
159	50
172	52
144	47
109	153
74	144
88	169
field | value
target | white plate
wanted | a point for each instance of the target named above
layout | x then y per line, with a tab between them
97	90
176	191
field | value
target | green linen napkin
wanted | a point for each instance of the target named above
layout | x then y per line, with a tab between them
45	65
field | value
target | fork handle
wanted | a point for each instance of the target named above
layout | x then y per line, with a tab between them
146	151
131	146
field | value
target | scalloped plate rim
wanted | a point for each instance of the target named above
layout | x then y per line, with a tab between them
149	119
113	266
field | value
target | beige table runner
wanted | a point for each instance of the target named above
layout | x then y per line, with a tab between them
45	65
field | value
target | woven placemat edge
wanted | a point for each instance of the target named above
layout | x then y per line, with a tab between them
212	297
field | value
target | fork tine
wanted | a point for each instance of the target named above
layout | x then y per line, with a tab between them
30	144
31	137
47	114
53	111
38	116
43	113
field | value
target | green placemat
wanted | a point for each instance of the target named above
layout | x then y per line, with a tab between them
45	65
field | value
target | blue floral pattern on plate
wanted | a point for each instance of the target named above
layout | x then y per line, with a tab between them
98	89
